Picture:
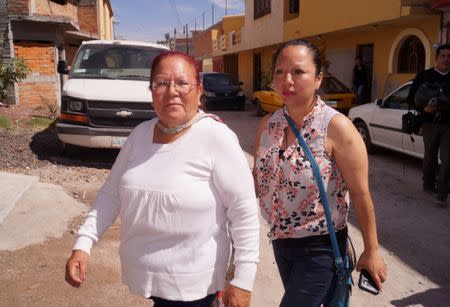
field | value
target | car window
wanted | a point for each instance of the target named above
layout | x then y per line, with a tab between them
331	85
398	99
219	79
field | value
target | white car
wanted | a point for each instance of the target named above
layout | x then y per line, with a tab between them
380	123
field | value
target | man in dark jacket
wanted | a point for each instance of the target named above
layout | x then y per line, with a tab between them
360	80
436	125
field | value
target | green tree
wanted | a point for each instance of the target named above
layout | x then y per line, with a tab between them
11	71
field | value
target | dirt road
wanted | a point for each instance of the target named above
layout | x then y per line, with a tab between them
413	234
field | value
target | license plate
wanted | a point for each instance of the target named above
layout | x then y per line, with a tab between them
331	103
118	141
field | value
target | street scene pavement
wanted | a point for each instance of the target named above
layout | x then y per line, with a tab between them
38	221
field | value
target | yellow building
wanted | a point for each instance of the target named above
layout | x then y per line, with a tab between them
395	38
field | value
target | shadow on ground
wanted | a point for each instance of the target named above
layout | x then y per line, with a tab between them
46	146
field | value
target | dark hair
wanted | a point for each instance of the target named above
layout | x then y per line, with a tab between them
168	54
442	47
316	57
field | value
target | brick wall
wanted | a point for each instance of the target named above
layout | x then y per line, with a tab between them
71	50
50	8
88	19
19	7
40	86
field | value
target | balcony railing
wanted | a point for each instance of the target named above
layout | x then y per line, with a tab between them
227	41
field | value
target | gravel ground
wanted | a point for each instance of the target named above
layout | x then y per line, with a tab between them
37	151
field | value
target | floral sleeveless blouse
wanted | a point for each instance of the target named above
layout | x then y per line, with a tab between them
288	194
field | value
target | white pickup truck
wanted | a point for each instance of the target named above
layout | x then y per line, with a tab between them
107	92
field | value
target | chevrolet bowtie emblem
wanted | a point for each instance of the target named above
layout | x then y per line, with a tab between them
124	113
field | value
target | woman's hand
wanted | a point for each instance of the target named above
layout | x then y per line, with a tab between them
76	268
236	297
374	264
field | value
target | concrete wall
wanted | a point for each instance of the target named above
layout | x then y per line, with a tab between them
341	50
323	16
264	31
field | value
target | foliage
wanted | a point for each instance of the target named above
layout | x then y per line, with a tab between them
5	123
39	122
11	71
266	80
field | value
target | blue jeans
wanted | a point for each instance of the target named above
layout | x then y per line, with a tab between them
204	302
307	270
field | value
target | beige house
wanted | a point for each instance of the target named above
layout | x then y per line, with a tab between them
395	38
44	31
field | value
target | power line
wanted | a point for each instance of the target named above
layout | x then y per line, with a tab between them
176	12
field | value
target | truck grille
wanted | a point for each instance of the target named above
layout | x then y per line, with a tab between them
113	105
104	113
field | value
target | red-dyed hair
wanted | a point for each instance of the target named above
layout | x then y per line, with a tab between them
181	55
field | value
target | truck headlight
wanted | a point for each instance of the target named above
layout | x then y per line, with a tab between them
75	105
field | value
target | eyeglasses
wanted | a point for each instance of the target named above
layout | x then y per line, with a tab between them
163	86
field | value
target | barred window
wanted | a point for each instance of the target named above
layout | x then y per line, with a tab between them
261	8
411	57
293	6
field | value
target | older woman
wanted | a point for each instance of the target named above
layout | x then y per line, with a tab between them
180	185
289	197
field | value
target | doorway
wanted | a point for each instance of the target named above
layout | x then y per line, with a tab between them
366	53
256	71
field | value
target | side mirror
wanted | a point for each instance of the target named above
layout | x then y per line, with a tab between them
62	67
379	102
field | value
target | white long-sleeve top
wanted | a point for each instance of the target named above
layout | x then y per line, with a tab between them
177	204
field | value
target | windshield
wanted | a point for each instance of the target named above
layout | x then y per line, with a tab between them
331	85
114	62
217	80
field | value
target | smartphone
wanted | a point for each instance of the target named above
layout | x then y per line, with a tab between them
366	283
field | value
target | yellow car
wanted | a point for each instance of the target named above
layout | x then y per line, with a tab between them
333	92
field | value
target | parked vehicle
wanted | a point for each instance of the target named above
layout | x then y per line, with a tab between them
107	92
332	91
380	123
221	91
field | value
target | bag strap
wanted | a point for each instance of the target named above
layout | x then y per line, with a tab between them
337	255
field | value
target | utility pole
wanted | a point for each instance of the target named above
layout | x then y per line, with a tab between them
187	40
212	10
226	8
174	39
203	21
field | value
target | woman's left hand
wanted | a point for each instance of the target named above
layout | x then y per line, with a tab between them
374	264
236	297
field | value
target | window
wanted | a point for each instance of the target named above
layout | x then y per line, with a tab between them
398	100
411	57
62	2
293	6
261	8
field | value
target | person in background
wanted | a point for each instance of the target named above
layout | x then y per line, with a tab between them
288	195
360	80
435	127
181	184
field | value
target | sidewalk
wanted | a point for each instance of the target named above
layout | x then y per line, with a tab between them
31	211
35	242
